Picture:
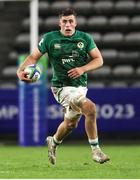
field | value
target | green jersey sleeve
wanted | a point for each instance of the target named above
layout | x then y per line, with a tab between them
42	45
91	44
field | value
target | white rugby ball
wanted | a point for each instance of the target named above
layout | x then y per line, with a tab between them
33	72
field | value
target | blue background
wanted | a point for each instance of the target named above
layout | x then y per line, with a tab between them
117	111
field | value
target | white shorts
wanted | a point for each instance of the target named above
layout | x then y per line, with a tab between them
65	95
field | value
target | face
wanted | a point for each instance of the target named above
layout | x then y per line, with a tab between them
67	25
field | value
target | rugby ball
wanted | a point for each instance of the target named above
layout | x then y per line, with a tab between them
33	72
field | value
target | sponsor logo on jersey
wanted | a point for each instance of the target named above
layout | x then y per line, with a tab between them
75	54
67	60
57	46
80	45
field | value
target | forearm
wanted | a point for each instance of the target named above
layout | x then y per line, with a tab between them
29	60
93	64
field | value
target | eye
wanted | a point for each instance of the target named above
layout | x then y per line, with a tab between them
64	21
71	21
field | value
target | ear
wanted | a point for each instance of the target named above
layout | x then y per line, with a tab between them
59	23
75	22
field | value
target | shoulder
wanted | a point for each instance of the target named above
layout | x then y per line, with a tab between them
84	35
51	34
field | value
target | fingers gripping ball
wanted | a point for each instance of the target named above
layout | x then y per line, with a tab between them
33	72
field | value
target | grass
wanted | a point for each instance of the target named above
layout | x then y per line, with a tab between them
73	161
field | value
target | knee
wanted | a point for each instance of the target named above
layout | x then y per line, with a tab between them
91	110
72	125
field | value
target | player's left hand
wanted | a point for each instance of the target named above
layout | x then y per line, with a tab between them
75	72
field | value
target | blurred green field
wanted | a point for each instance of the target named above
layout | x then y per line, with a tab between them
74	161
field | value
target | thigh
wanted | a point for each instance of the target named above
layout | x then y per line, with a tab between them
65	95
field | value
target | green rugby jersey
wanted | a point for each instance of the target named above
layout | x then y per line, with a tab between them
66	53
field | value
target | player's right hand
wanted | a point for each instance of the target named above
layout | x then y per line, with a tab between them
23	76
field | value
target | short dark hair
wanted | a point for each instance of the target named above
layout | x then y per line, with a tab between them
68	12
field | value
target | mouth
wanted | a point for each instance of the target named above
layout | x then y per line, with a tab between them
68	30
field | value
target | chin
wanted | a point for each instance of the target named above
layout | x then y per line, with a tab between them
68	34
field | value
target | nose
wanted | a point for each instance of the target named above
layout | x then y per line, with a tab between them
67	23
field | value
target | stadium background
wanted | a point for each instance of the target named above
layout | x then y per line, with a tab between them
115	26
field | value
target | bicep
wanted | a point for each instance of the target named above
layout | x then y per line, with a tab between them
95	53
36	54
